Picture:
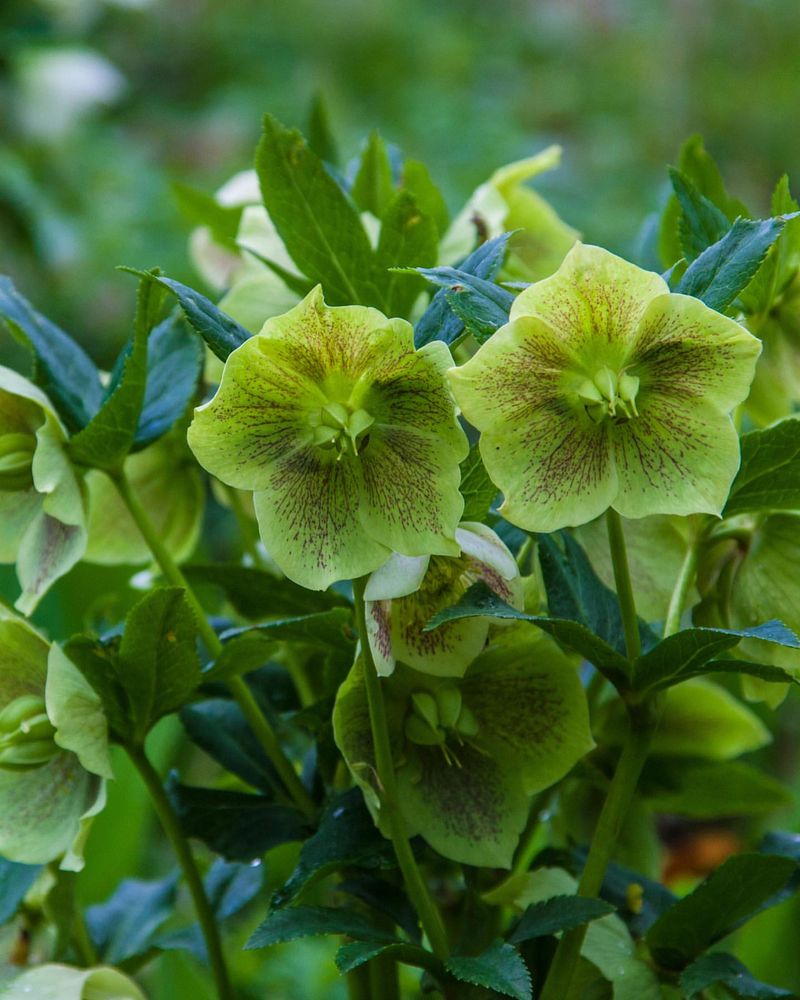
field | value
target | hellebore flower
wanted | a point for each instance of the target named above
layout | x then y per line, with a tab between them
42	498
406	592
347	437
53	750
606	390
470	752
62	982
505	202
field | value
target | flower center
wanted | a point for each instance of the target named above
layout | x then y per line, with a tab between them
438	718
342	427
609	395
16	458
26	734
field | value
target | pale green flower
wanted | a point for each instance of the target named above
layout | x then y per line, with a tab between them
407	591
606	390
53	750
62	982
347	437
42	498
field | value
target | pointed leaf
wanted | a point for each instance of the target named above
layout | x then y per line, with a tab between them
408	238
126	924
306	921
355	953
174	364
701	223
373	187
476	487
481	305
559	913
769	476
721	969
230	886
500	968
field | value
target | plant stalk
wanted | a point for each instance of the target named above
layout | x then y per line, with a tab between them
622	579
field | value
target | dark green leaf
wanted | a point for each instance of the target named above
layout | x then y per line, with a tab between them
439	322
732	894
355	953
15	880
306	921
202	209
687	653
560	913
408	237
385	898
721	969
500	968
481	305
347	838
98	662
231	886
174	364
417	180
318	224
238	826
765	671
109	436
126	924
701	223
61	367
718	275
476	487
703	790
373	187
781	262
769	474
320	135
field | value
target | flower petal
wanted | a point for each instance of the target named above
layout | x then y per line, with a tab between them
60	982
48	549
481	543
76	711
398	576
23	658
678	456
17	510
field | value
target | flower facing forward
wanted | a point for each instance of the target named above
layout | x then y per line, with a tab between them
347	436
406	592
606	390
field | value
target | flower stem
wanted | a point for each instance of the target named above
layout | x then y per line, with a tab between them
622	578
680	591
205	914
418	893
260	725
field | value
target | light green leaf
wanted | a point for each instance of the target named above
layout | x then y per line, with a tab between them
769	475
373	187
408	238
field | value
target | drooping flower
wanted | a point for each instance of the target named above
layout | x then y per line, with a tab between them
407	591
53	750
347	437
42	497
470	752
606	390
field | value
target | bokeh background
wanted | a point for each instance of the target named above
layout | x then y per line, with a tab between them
105	103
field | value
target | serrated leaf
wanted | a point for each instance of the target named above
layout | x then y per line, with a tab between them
559	913
769	474
308	921
408	237
318	224
476	488
356	953
500	968
481	305
385	898
62	368
702	223
721	969
236	825
373	187
733	893
126	924
720	272
174	365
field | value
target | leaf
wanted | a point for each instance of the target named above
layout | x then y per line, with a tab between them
476	487
318	224
202	209
500	968
439	322
373	187
416	179
320	136
560	913
769	474
246	648
702	223
721	969
236	825
174	363
731	895
689	652
306	921
780	264
346	838
355	953
125	925
218	330
653	900
481	305
408	237
230	887
15	881
97	661
720	272
62	368
109	436
703	790
158	663
385	898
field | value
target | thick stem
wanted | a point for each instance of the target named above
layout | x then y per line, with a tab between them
238	688
205	915
415	884
622	579
383	978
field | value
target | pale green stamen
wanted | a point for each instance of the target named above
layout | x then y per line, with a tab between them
440	718
26	734
608	395
341	426
16	457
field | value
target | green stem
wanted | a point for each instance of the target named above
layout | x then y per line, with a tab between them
680	591
238	688
358	984
81	940
383	978
416	888
529	842
205	914
622	579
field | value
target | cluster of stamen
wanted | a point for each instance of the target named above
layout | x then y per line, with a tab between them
609	396
440	719
341	427
16	459
26	734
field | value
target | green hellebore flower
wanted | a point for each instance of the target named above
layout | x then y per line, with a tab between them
61	982
606	390
347	437
505	202
407	591
42	498
470	752
53	750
